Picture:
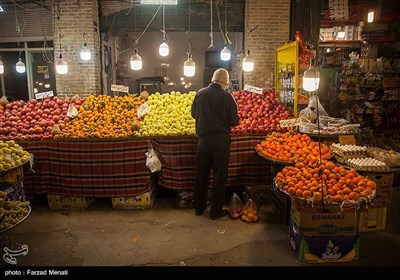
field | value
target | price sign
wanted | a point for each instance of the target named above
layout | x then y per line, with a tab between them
41	95
42	69
290	122
253	89
121	88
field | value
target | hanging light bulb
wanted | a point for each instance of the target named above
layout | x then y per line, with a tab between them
61	66
189	67
225	54
85	52
371	15
20	66
1	67
311	78
164	49
247	63
341	33
136	61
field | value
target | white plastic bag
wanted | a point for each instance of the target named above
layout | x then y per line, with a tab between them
152	161
72	111
312	103
143	110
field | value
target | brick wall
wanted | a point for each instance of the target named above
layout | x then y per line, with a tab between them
73	18
273	20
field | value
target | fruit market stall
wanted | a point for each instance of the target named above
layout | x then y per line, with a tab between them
95	147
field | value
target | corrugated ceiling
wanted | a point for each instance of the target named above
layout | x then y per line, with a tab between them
120	16
27	20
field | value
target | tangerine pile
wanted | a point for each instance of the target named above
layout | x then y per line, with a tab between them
335	183
292	147
103	116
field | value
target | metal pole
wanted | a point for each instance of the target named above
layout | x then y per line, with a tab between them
3	87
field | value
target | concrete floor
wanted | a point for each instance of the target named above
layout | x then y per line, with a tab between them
165	235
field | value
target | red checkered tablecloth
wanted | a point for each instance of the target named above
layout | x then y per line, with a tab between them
109	168
178	156
88	168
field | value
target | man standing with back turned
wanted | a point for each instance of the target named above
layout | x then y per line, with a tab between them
215	112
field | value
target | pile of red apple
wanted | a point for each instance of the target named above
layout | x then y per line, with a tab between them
34	120
259	113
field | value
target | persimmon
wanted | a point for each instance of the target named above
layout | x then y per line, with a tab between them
371	184
354	196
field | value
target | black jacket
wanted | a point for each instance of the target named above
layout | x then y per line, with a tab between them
214	110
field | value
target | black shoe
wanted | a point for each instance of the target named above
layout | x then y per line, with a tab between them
219	215
200	211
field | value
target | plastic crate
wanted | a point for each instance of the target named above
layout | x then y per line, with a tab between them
281	204
142	201
60	202
372	220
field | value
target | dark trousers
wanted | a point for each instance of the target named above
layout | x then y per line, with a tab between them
213	151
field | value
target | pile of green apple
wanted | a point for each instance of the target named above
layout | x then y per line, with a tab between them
170	114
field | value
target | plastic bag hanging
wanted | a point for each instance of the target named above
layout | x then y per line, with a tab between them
152	160
235	206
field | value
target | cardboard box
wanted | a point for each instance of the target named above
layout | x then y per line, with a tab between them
142	201
324	249
383	198
372	220
382	179
60	202
317	221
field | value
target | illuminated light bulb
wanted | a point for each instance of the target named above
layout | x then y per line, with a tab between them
1	67
311	78
371	15
341	34
20	66
189	67
225	54
136	61
247	63
164	49
85	52
61	66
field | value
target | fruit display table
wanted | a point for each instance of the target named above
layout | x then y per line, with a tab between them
88	168
178	156
108	168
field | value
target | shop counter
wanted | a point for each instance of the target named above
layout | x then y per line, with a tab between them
88	168
109	168
178	157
